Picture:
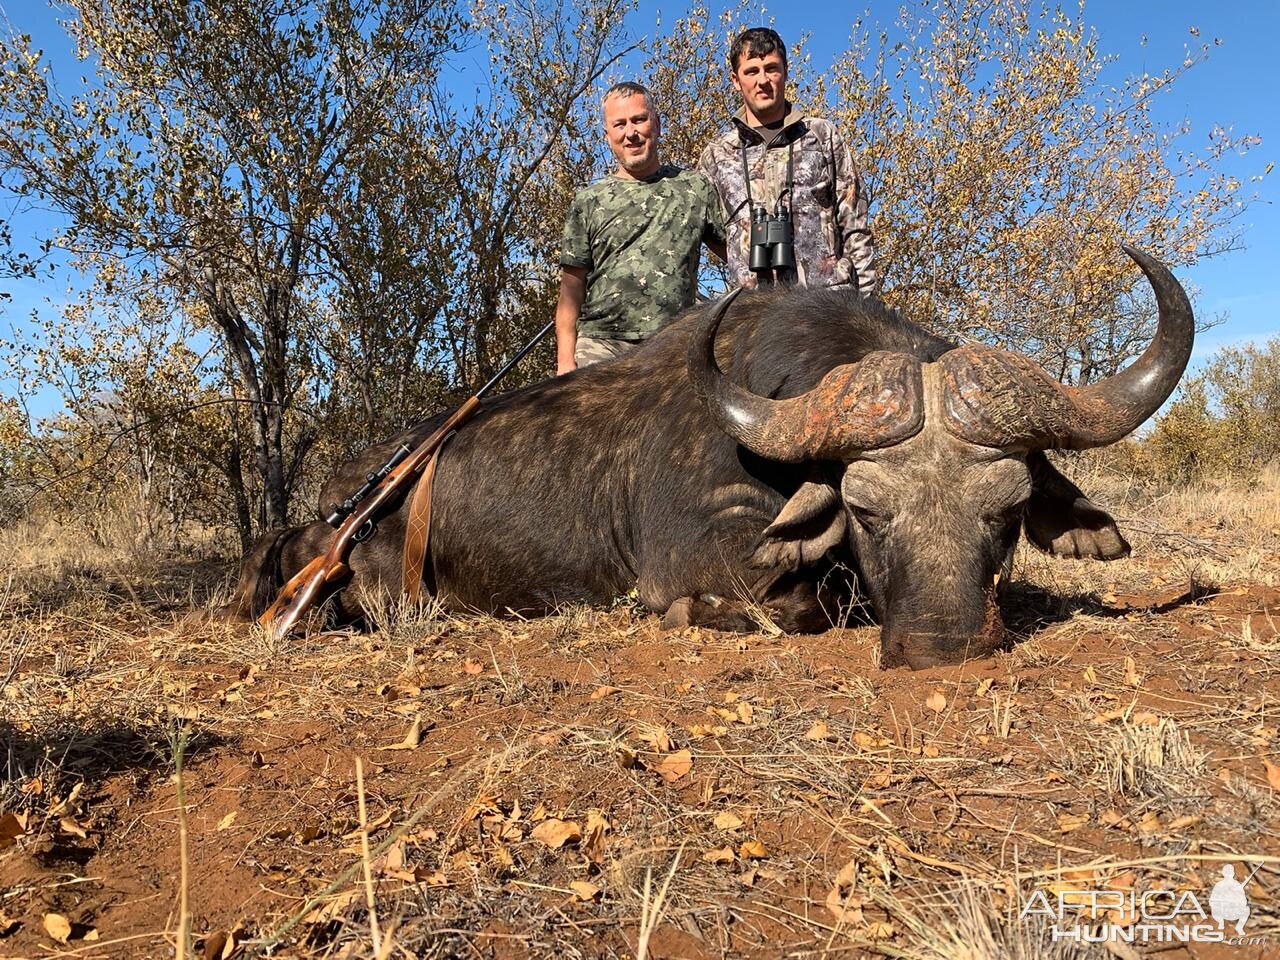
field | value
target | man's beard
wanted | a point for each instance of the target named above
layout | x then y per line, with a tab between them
637	162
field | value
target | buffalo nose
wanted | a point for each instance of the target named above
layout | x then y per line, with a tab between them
920	651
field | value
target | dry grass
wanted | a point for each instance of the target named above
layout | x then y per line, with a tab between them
713	791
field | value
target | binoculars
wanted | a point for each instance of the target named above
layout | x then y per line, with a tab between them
772	239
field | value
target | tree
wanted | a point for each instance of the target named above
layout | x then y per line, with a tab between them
518	152
1003	169
212	156
1225	420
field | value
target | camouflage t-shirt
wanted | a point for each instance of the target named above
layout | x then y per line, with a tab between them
640	241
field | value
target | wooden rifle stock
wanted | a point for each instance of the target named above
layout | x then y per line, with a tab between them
318	579
314	582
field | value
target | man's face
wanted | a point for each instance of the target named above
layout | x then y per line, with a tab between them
762	82
632	129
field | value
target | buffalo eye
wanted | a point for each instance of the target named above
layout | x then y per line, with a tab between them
870	521
1007	515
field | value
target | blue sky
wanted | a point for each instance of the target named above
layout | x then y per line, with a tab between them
1235	88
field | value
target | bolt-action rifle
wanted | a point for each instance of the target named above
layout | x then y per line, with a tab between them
357	517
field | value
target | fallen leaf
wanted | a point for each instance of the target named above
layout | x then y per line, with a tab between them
1122	881
500	855
1072	821
70	825
593	836
411	739
656	737
601	692
67	805
1113	818
1145	718
57	926
841	901
371	826
1188	820
937	701
880	780
12	826
727	821
219	946
880	930
471	668
1273	773
719	855
819	731
673	766
746	713
586	891
1150	823
227	821
556	833
1131	673
984	686
698	731
752	850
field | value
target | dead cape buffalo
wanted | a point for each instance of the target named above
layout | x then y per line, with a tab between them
837	433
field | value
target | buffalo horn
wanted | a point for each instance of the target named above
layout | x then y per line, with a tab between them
856	406
1001	399
1113	408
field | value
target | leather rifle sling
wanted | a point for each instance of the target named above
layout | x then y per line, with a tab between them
417	534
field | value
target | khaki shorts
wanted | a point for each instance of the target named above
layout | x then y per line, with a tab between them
589	350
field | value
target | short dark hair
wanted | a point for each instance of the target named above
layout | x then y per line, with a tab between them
756	42
627	89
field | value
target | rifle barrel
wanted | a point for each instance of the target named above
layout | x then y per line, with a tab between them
516	359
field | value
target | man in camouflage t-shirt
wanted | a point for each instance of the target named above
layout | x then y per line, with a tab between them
796	163
632	241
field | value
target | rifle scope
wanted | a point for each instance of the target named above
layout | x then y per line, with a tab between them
338	512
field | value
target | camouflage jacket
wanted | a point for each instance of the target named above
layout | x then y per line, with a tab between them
833	244
640	242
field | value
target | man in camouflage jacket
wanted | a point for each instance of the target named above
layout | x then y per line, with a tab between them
827	201
632	241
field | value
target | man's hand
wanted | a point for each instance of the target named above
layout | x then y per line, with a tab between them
573	291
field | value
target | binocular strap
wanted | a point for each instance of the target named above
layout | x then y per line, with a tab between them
417	534
791	176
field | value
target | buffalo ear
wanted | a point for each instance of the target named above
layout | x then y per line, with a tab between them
1061	520
809	524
